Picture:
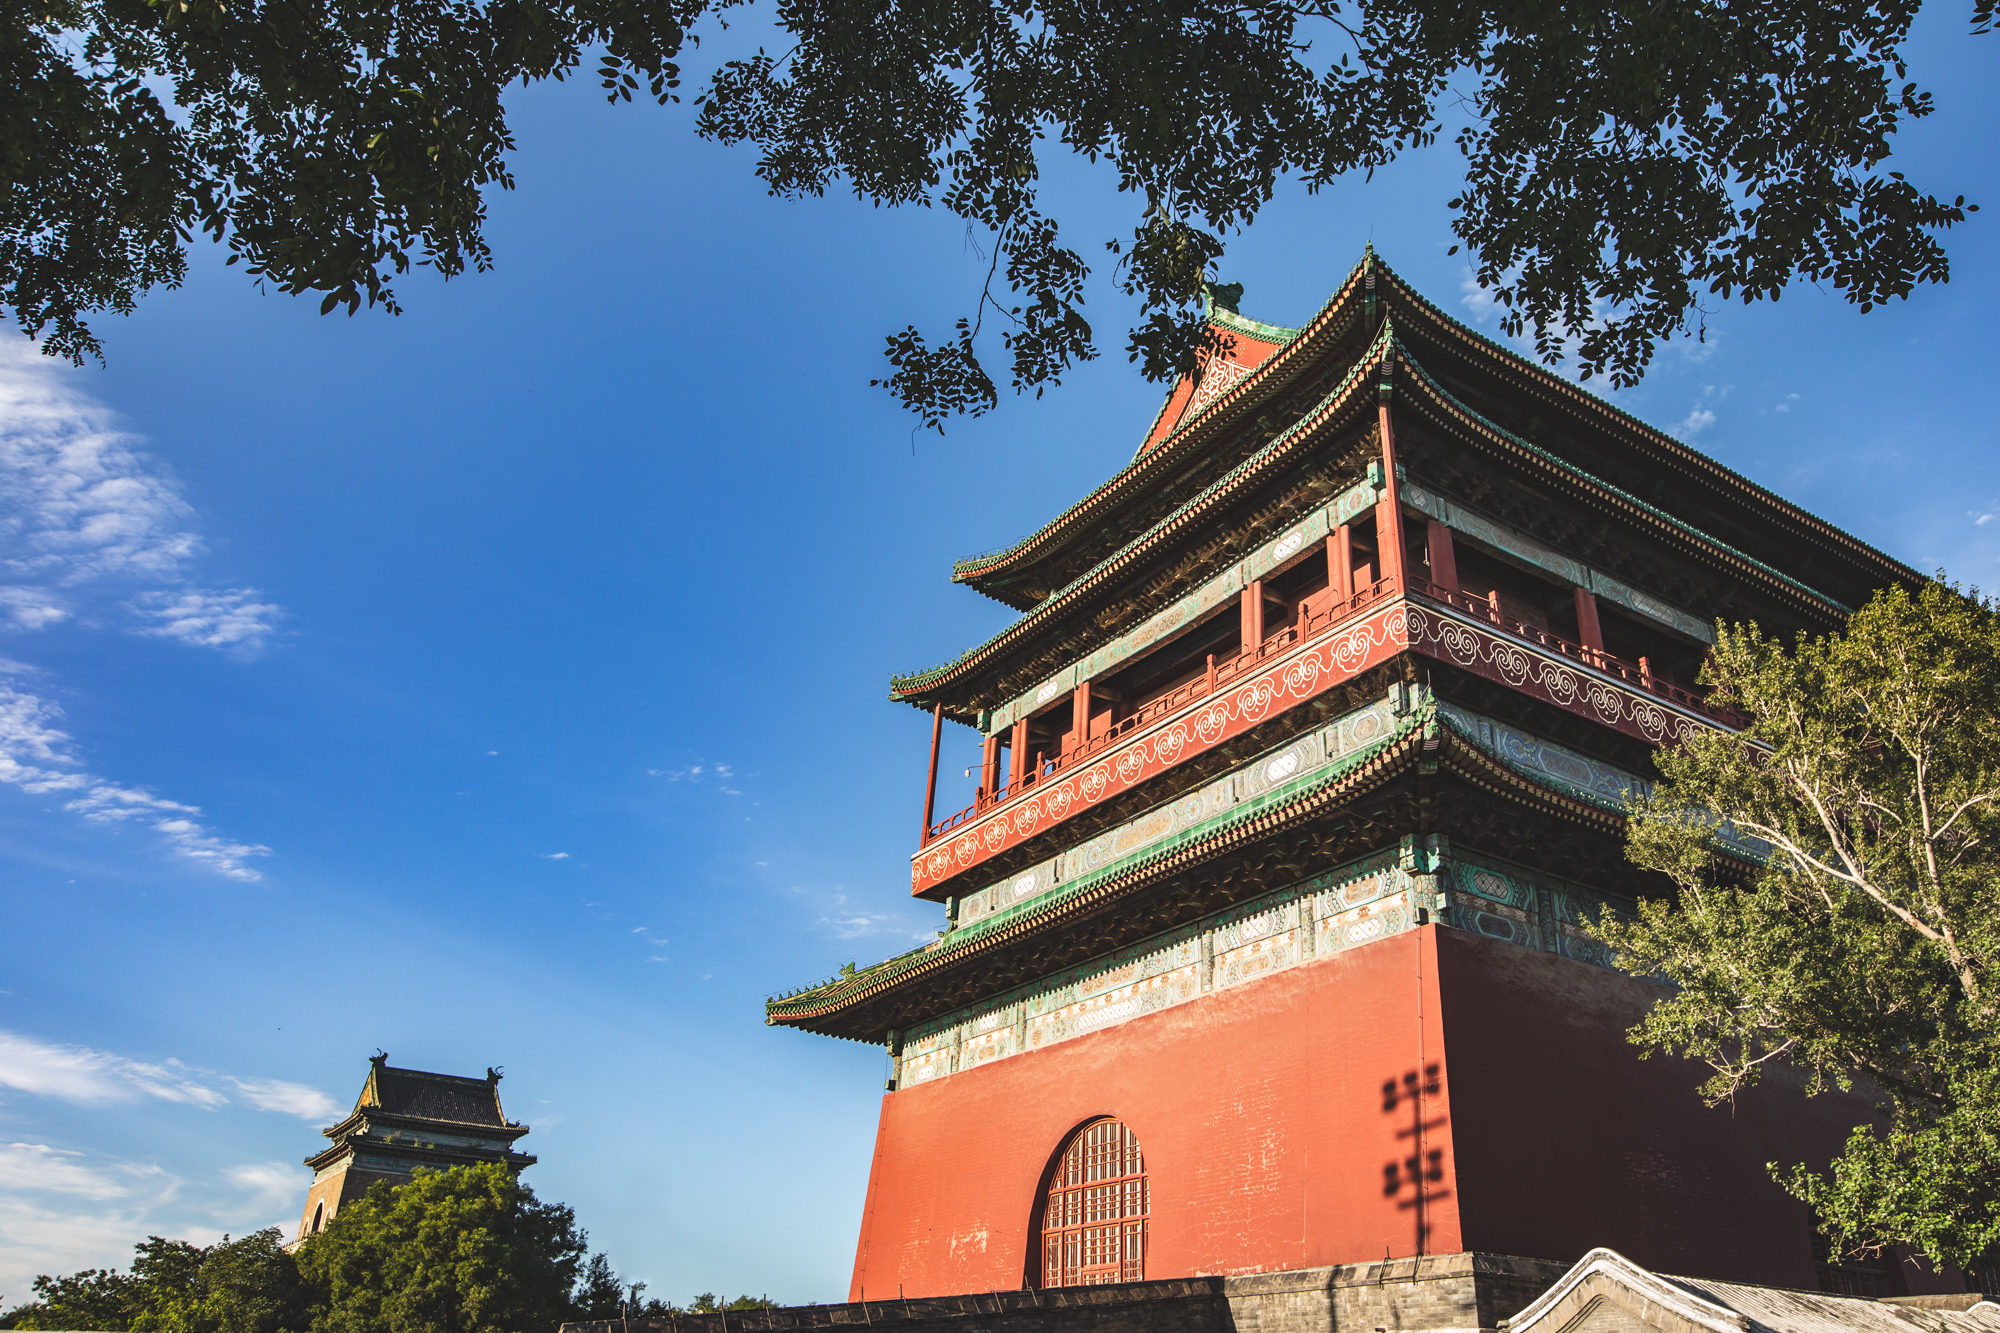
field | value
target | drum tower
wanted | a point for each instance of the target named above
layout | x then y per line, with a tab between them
1303	765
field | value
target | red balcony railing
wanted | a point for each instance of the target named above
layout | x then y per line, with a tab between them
1221	673
1225	672
1637	674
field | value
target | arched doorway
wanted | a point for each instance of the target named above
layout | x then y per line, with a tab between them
1094	1208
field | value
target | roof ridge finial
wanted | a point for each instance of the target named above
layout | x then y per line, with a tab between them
1220	296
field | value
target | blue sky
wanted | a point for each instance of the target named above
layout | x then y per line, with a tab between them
504	683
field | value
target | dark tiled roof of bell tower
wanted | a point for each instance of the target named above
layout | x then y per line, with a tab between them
425	1096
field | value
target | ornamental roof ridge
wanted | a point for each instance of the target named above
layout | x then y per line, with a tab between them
1593	402
1651	510
902	687
1224	318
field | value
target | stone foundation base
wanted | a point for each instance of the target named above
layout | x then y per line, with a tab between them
1444	1293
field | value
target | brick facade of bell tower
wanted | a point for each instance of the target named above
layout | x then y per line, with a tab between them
405	1119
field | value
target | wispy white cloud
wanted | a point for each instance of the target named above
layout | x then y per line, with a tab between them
555	856
72	1231
1701	416
232	620
84	1076
855	925
843	920
87	519
1479	302
39	759
1693	424
32	608
61	1210
266	1187
37	1166
271	1094
77	500
696	773
89	1077
84	512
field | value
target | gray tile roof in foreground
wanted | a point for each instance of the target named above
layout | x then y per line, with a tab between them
1608	1293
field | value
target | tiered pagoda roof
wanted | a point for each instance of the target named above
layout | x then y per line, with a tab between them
1286	425
1208	461
406	1118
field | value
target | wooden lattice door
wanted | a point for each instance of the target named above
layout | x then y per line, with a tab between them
1093	1218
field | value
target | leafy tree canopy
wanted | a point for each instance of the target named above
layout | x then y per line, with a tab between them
468	1250
241	1286
1623	163
1867	949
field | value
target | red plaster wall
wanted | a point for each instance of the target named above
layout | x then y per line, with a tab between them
1567	1141
1259	1108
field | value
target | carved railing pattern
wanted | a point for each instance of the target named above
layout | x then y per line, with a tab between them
1638	675
1232	710
1242	690
1222	674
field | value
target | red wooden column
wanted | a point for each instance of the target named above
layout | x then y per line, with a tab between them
1253	615
1340	564
989	767
1019	765
930	785
1589	634
1389	509
1079	711
1444	564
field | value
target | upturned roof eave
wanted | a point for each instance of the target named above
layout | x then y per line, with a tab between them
979	570
1463	753
917	687
1183	440
921	688
1715	548
1588	404
328	1156
825	1001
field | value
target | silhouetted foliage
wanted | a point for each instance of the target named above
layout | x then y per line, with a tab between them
1623	163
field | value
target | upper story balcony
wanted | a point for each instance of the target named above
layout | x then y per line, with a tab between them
1637	674
1221	673
1498	621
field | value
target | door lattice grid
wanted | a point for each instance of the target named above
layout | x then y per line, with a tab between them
1094	1215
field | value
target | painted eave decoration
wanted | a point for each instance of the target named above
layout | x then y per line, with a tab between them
1427	735
1388	355
1372	286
